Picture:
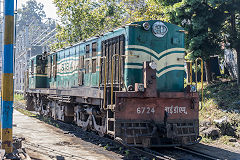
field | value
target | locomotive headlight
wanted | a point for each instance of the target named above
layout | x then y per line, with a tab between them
153	65
146	26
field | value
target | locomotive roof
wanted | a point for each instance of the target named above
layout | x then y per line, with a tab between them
135	24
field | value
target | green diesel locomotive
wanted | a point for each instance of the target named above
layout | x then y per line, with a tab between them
127	83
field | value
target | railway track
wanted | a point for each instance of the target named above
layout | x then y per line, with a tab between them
147	152
157	155
110	144
197	153
152	154
50	152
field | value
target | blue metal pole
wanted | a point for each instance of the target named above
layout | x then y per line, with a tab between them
7	77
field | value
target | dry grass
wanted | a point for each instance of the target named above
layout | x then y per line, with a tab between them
221	99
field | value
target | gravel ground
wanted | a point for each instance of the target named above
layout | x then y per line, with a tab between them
66	141
43	141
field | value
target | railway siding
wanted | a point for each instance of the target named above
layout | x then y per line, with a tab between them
44	141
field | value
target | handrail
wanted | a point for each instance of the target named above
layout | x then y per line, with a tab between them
201	78
112	78
119	72
99	82
105	81
191	72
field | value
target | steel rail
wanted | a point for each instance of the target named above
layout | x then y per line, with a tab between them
145	151
48	150
152	154
200	154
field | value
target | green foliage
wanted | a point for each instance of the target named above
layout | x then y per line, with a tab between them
120	149
18	97
127	152
168	2
208	23
231	25
106	147
25	112
141	10
225	95
207	140
82	19
203	23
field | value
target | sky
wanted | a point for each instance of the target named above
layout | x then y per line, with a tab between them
49	7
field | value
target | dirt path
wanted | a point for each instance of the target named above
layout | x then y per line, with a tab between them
45	142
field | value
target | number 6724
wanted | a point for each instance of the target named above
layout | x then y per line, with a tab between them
145	110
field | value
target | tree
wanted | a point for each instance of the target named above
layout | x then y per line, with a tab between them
207	22
29	13
32	28
85	18
143	10
203	22
82	19
231	27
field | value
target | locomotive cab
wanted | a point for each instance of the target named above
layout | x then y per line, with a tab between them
37	72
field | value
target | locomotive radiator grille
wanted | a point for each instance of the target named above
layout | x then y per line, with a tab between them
145	134
136	133
183	133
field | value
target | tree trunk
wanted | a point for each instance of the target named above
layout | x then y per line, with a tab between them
238	65
208	71
234	37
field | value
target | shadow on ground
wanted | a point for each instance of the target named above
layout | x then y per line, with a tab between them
92	137
225	94
113	146
216	152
